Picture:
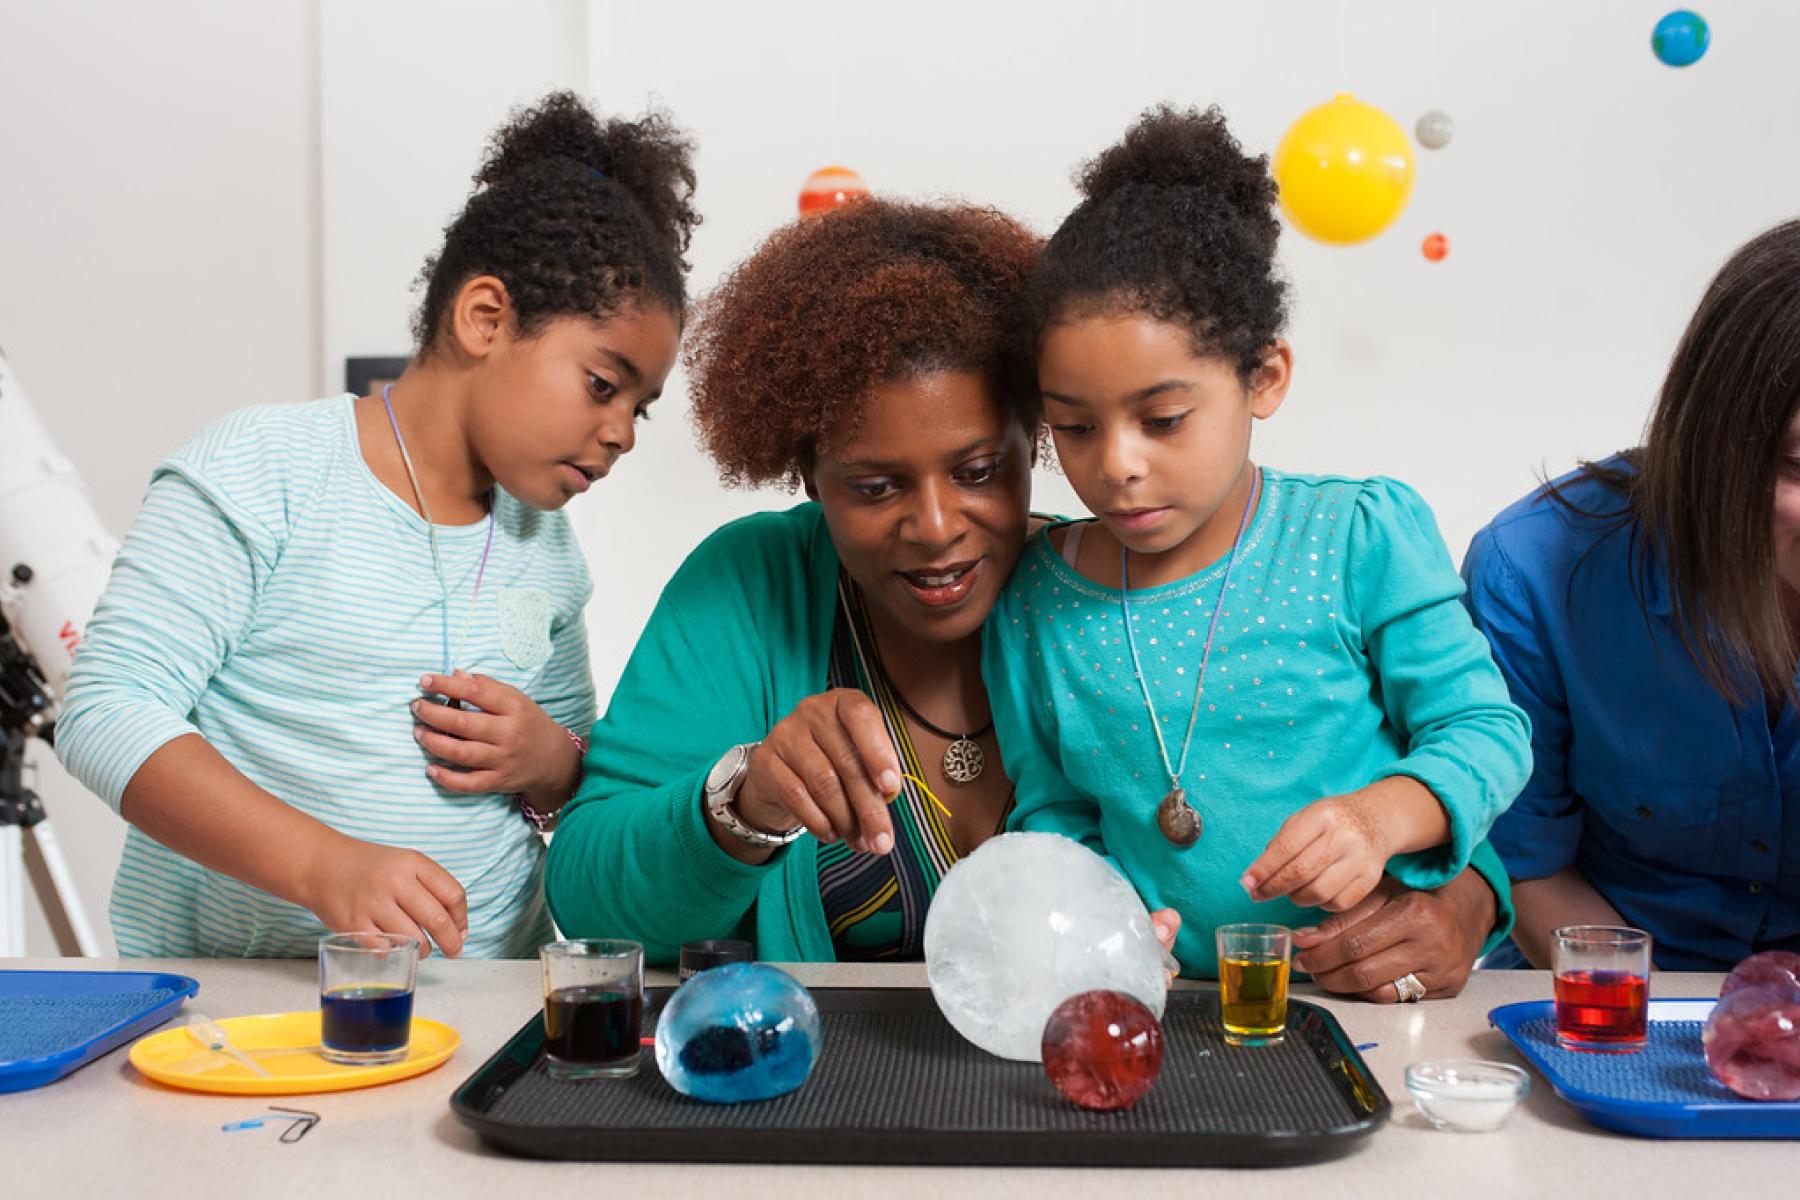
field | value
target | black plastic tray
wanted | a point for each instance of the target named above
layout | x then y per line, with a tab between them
896	1084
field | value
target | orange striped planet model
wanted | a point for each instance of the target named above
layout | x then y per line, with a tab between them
828	187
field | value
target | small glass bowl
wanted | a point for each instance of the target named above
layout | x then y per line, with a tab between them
1468	1096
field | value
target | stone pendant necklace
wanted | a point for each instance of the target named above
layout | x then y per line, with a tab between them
1178	820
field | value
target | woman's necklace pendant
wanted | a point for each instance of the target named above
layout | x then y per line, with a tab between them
964	761
1177	819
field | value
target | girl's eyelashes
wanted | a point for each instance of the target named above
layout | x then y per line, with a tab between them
1160	424
605	392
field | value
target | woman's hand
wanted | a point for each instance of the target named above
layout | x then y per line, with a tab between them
353	886
828	765
1396	931
500	741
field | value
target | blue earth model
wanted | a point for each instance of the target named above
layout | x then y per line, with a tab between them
1681	38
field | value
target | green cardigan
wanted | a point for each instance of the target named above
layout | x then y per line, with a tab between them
741	635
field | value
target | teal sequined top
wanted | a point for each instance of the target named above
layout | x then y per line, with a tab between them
1342	657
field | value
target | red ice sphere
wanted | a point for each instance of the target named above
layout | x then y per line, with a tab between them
1771	966
1752	1042
1103	1049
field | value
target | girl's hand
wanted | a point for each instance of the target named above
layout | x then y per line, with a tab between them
1167	923
830	766
355	886
500	741
1328	855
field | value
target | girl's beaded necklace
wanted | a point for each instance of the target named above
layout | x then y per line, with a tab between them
437	562
1177	819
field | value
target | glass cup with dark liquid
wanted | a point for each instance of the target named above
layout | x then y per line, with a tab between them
1602	979
593	1008
366	997
1254	961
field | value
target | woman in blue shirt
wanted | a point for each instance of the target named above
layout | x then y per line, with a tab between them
1645	610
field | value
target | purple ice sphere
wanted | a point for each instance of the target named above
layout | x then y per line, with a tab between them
1752	1042
1771	966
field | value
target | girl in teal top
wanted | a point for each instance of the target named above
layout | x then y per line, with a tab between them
1256	692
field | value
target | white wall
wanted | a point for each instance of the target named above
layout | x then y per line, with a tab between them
1589	194
173	244
156	257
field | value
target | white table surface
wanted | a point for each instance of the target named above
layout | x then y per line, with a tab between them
108	1132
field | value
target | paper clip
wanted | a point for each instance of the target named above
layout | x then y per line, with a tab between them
247	1123
301	1122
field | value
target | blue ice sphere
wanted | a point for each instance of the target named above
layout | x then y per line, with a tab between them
743	1031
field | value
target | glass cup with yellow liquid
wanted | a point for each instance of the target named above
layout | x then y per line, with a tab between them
1254	961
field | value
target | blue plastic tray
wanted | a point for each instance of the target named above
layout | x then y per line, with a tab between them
1663	1091
52	1022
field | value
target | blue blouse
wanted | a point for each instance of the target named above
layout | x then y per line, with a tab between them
1681	809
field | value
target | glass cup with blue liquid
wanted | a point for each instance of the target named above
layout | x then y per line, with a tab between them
366	997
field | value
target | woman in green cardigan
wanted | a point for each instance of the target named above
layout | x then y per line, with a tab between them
802	667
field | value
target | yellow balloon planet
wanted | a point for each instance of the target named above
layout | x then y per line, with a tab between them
1345	170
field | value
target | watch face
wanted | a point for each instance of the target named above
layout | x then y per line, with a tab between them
724	769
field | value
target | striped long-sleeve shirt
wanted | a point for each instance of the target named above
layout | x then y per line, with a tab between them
275	598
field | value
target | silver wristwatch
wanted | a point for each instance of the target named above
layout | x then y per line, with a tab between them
722	783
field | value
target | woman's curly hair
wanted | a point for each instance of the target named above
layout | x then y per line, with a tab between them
575	216
1176	222
831	307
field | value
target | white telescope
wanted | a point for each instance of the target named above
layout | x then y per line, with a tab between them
54	552
54	559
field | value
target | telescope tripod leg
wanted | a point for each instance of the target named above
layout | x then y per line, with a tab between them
28	847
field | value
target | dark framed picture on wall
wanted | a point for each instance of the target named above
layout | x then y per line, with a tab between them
367	375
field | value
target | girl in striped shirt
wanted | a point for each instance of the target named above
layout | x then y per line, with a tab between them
335	677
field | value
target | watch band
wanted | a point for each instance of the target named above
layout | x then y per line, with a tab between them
722	784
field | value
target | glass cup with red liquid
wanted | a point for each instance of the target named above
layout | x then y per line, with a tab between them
593	1008
1602	978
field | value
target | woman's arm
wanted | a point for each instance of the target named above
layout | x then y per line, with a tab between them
738	638
633	854
1547	904
1541	834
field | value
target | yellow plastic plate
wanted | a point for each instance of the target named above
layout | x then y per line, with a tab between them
286	1045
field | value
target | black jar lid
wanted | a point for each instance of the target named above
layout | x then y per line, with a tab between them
714	952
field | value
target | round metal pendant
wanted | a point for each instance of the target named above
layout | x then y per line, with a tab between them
964	761
1177	819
